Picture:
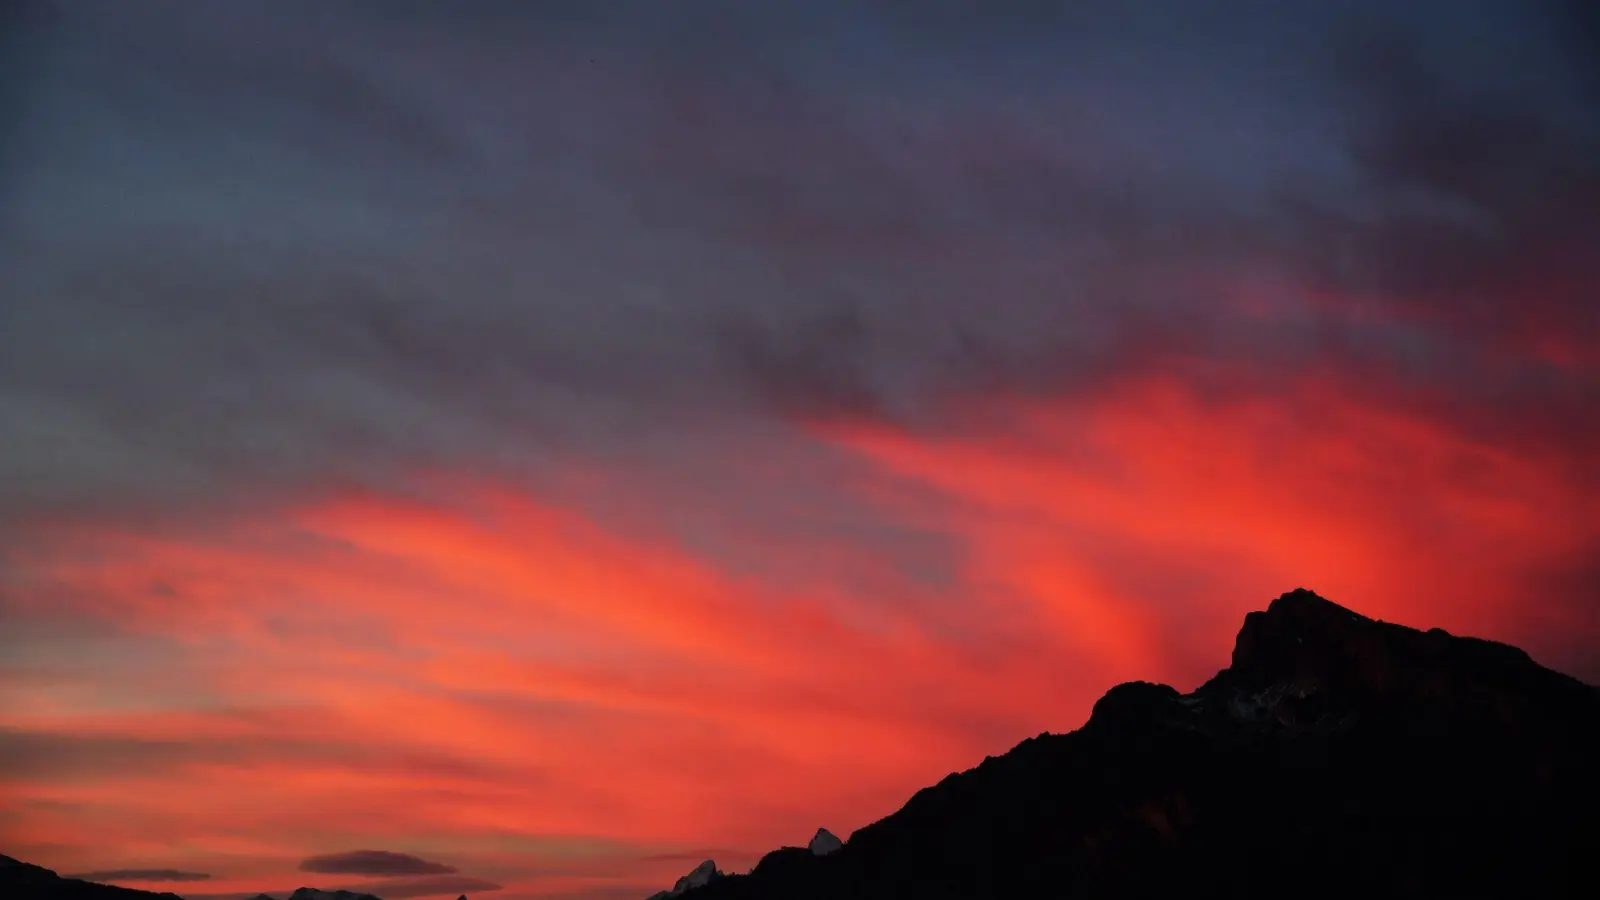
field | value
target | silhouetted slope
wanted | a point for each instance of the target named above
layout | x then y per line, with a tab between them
1336	756
23	881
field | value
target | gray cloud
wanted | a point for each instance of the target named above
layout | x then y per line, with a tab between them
401	888
50	757
264	252
387	889
117	875
374	862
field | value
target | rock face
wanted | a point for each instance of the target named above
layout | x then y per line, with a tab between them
700	876
22	881
1336	756
824	842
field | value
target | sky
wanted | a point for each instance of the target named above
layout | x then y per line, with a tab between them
524	449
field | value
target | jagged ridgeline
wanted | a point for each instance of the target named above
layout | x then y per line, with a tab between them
1336	756
822	843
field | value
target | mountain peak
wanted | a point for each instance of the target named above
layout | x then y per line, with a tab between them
1304	644
704	871
700	876
824	842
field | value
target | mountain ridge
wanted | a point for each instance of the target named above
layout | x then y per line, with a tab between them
26	881
1389	760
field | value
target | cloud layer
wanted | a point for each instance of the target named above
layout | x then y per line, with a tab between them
373	862
136	875
295	248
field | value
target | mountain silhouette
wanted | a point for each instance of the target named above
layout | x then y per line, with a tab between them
1336	756
24	881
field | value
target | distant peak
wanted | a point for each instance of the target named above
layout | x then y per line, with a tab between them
700	876
824	842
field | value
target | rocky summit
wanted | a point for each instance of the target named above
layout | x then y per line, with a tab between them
1335	756
700	876
824	842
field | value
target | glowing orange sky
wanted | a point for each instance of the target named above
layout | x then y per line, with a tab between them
482	676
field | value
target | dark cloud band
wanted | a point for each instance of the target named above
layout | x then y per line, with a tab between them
374	862
115	875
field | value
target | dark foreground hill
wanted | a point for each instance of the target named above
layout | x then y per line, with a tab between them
21	881
1335	757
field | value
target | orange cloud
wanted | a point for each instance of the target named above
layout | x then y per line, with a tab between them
551	705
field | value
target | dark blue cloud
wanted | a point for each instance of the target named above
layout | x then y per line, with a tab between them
124	875
249	248
374	862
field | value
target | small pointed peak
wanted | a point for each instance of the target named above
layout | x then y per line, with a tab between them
702	875
824	842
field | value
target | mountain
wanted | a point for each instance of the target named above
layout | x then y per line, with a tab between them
1336	756
23	881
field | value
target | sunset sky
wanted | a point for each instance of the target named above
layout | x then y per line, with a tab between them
553	443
